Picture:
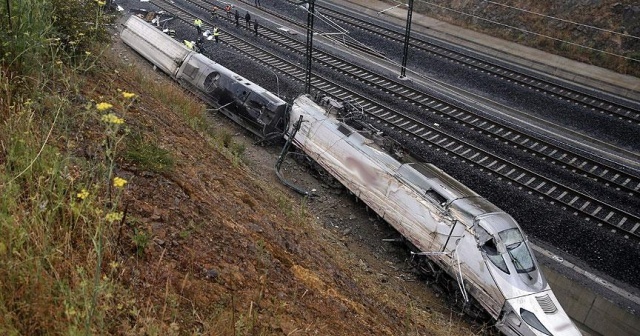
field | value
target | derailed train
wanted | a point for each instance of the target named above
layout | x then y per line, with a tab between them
469	238
245	102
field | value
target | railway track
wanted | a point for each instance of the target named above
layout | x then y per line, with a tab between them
592	210
590	101
607	175
440	49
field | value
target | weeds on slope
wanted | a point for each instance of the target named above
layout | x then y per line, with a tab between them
59	211
64	203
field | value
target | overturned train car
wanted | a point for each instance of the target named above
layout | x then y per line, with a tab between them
464	234
245	102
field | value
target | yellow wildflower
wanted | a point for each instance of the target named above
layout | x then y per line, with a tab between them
113	217
83	194
103	106
88	53
100	3
128	94
114	264
112	118
119	182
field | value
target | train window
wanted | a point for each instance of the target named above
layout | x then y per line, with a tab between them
344	129
211	82
190	70
255	104
517	249
487	244
436	197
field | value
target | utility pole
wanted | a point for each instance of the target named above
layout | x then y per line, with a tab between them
403	69
310	16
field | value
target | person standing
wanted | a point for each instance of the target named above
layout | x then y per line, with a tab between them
237	19
257	2
227	9
255	26
214	11
216	34
247	18
199	47
198	24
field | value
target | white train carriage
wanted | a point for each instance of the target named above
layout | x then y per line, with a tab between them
245	102
154	45
467	236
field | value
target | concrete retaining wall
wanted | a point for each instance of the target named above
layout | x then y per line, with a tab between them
587	308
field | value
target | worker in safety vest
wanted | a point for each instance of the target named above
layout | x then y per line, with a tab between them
198	24
189	44
216	34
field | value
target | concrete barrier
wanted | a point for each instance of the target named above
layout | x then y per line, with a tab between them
599	315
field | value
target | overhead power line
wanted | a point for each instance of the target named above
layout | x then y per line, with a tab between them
529	32
563	20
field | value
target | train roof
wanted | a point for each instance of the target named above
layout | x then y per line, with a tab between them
230	79
462	202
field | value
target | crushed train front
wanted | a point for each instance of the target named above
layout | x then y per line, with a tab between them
538	314
530	307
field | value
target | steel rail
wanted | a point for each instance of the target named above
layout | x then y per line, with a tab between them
604	174
598	104
593	210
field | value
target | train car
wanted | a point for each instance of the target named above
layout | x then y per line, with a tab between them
458	230
245	102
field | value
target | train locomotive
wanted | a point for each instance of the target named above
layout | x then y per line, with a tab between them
468	237
243	101
448	224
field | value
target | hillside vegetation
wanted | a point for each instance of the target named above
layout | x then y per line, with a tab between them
124	211
605	33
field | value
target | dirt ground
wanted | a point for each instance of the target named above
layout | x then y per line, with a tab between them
234	252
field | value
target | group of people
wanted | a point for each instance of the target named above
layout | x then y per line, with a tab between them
198	44
216	32
247	20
